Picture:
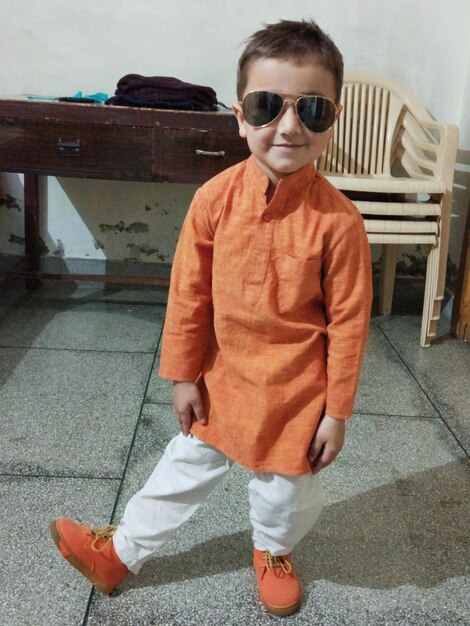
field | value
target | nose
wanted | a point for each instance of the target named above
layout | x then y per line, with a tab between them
288	122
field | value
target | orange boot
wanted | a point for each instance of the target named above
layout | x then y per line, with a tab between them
91	551
279	588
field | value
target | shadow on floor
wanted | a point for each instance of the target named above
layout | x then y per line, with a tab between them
410	532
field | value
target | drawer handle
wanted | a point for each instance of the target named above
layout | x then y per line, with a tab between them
211	153
69	148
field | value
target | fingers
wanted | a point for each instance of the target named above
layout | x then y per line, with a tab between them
198	410
323	459
315	450
188	405
185	421
326	443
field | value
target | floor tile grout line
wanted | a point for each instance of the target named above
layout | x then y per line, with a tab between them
134	436
126	464
400	415
58	303
424	391
59	476
84	350
88	607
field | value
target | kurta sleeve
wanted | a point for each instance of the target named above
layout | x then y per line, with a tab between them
189	311
347	285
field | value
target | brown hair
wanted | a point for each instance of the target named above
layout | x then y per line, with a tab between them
291	40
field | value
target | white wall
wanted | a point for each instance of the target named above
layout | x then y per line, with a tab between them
57	47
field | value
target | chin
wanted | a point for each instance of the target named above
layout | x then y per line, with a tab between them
289	168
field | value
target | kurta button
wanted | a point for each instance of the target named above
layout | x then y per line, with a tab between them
267	217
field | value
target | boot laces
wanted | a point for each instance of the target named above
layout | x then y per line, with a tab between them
103	536
273	562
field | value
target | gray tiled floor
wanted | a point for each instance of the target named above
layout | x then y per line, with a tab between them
84	420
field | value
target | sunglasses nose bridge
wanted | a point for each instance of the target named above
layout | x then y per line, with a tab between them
287	104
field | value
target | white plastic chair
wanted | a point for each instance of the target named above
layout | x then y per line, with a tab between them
397	164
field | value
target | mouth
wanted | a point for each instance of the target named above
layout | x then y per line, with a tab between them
288	146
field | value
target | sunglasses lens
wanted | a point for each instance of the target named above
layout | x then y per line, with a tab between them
262	107
316	113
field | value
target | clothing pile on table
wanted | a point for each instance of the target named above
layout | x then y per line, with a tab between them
163	92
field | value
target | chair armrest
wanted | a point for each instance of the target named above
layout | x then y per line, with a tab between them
426	149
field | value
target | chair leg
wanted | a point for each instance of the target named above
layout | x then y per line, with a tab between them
387	277
432	301
436	275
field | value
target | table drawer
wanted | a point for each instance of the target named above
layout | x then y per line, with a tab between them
201	152
77	149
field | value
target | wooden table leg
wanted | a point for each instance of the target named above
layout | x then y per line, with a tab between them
31	227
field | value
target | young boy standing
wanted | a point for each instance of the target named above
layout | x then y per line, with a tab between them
266	327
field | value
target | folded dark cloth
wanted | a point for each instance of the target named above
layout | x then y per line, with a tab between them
163	92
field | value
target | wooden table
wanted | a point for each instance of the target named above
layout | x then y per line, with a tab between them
108	142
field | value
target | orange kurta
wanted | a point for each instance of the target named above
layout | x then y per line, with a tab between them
269	308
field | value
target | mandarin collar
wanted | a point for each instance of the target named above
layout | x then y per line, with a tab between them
288	185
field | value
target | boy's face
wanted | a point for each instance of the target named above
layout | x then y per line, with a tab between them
285	145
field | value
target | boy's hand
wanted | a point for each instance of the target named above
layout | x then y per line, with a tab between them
187	404
326	443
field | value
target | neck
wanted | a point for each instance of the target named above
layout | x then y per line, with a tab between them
271	190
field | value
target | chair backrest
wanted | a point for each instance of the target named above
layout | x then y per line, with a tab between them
383	126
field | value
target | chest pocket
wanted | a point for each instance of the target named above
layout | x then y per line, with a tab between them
298	282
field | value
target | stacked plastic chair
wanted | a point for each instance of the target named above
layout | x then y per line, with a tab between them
397	164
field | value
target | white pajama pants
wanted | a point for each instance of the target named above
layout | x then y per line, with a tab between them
282	508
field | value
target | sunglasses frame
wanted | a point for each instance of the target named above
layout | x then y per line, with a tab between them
283	108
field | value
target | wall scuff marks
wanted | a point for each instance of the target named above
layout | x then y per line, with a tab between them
146	250
16	239
120	227
137	227
99	220
9	202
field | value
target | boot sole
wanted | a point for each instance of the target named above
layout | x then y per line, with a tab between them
77	563
282	611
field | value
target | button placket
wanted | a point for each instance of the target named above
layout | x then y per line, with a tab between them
259	257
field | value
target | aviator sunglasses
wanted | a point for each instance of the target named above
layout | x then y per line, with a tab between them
316	113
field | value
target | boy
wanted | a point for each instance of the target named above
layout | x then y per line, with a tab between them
265	331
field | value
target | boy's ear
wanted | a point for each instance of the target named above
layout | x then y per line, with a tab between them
237	109
339	108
